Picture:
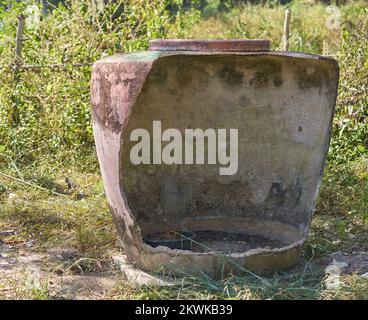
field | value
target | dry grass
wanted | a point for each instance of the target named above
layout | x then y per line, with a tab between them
309	32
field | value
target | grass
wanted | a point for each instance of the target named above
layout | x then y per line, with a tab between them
308	25
40	215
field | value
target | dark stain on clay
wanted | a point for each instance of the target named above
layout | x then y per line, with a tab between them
205	197
159	76
310	75
175	195
280	196
184	75
266	73
244	101
230	75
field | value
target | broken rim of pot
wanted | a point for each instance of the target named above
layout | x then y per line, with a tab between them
290	235
232	45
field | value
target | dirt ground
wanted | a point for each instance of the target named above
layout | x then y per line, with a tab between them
62	274
54	274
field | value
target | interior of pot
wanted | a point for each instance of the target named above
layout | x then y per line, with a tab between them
281	107
224	235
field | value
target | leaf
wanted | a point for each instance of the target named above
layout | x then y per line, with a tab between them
2	148
361	148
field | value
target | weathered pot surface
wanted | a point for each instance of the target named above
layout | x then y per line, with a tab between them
269	116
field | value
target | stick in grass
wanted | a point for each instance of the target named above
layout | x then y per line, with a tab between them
31	184
19	38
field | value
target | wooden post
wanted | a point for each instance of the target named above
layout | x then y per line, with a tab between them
18	62
19	38
286	30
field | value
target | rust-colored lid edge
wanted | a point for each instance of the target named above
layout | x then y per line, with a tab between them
233	45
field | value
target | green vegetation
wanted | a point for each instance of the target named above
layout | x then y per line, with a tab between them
46	135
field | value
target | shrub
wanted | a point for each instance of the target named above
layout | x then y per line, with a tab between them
47	110
350	131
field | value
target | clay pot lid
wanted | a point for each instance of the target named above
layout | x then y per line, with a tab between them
234	45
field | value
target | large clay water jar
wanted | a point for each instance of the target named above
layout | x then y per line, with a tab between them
271	111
